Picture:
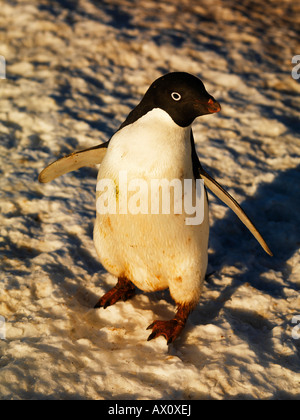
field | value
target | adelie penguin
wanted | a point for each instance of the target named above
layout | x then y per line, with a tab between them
155	251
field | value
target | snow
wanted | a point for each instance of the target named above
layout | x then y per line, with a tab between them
74	71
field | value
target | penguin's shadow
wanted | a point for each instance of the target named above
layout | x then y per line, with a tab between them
274	211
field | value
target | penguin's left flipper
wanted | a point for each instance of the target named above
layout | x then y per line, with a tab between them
223	195
72	162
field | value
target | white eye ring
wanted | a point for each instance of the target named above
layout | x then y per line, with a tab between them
176	96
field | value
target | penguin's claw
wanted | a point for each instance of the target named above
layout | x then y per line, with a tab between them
123	290
169	329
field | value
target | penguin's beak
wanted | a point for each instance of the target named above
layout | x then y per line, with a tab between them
213	106
209	106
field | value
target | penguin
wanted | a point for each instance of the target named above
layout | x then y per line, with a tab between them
155	251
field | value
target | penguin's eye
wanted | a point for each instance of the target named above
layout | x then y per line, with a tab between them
176	96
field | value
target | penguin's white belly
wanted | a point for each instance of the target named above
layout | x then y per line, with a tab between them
154	251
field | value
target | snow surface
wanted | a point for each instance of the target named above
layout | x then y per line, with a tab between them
74	71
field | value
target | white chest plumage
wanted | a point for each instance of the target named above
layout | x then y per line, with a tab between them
154	251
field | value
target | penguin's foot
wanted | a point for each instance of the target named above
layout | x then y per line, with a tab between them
169	329
123	290
172	328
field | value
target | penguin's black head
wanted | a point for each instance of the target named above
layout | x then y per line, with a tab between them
182	95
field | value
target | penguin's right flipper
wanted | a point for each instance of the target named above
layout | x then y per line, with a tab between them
223	195
74	161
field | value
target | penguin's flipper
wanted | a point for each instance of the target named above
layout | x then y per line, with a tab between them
223	195
72	162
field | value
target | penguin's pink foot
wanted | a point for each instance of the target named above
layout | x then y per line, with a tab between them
123	290
170	329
